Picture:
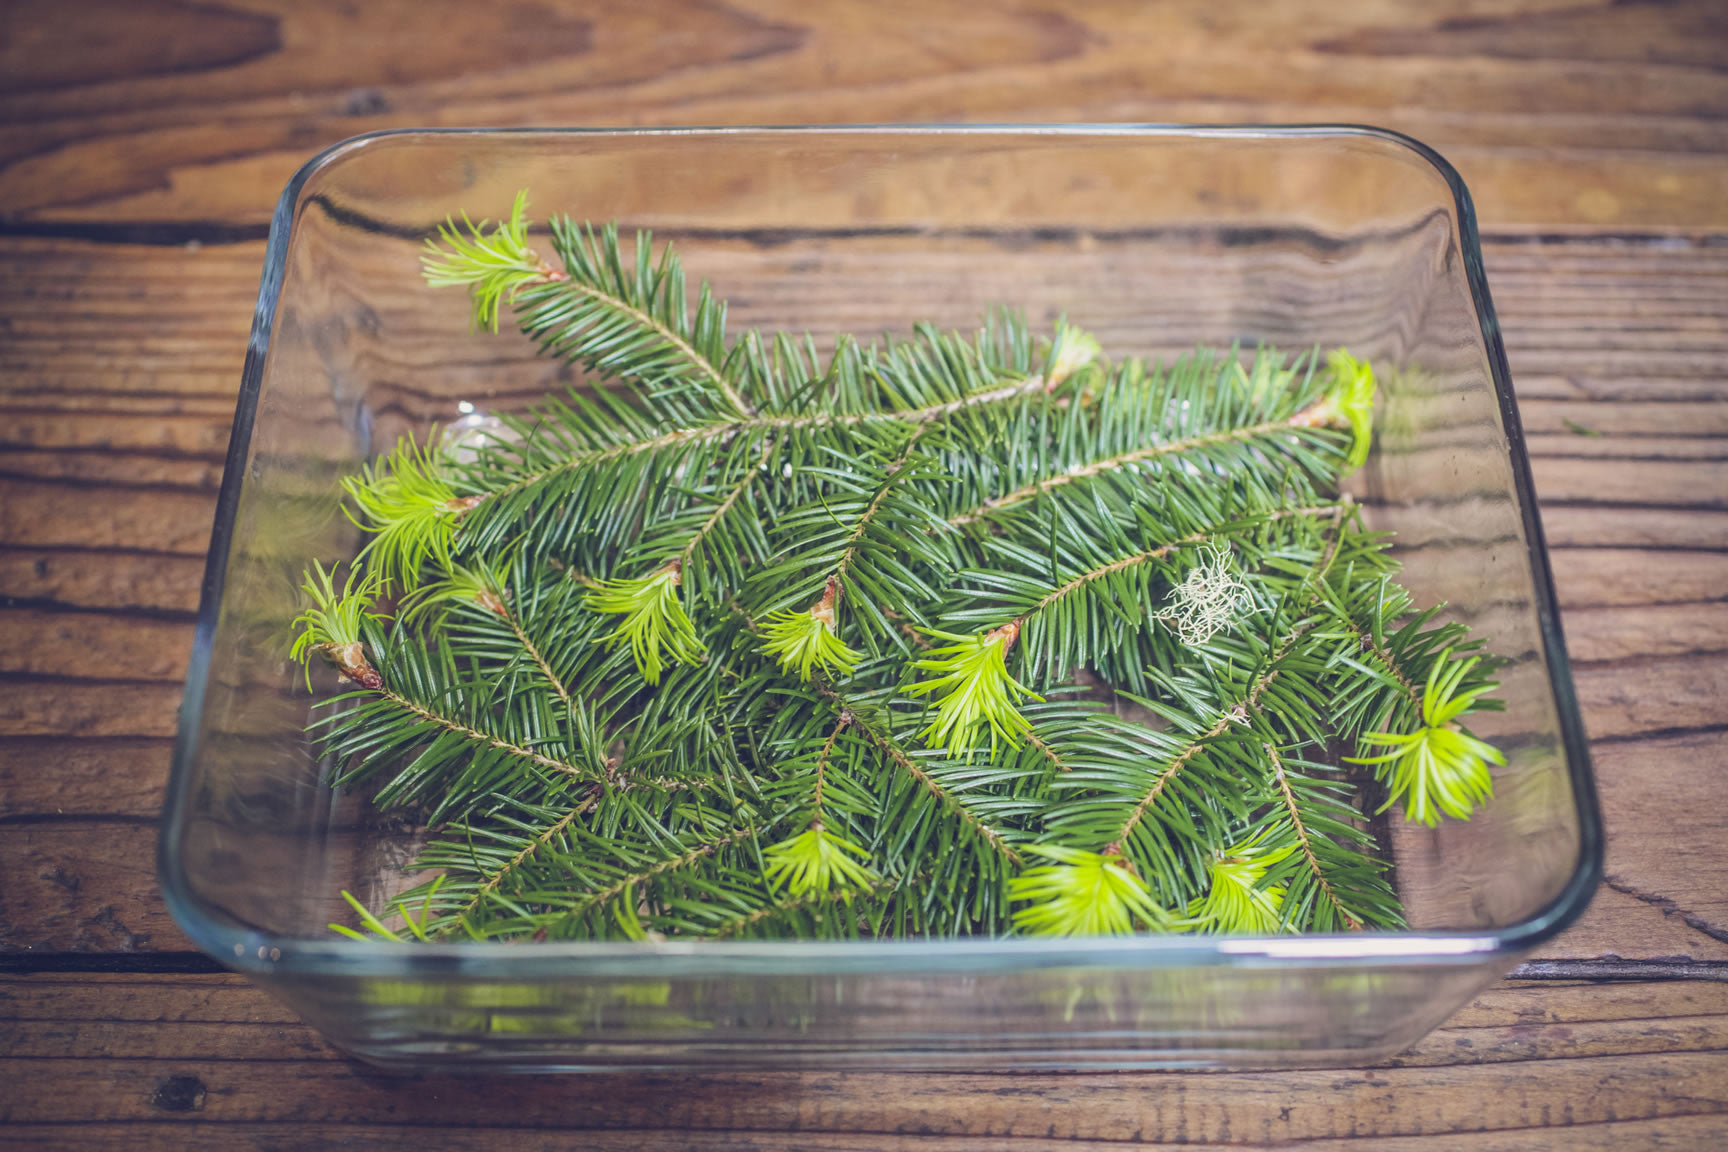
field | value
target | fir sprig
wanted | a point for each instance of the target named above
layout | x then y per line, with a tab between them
331	625
655	628
943	634
1084	894
1439	769
409	506
493	266
976	691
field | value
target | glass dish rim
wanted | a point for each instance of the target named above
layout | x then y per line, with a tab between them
263	953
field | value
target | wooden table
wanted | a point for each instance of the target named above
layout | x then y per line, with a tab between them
142	145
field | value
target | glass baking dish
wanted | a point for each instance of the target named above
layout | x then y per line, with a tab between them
1155	238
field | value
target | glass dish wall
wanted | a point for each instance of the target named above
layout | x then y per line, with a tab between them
1155	239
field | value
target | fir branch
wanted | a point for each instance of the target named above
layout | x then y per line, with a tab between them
438	722
406	502
1046	750
497	877
977	691
533	652
448	724
1238	714
1294	811
1306	418
902	760
654	625
729	502
585	424
494	268
1191	749
589	901
629	321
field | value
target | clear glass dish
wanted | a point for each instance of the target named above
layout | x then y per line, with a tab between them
1154	238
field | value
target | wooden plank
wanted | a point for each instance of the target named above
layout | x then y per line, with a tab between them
1667	853
164	585
1686	1132
1653	694
113	1056
47	514
44	707
1543	130
84	886
54	775
1588	578
1655	484
1619	926
94	645
222	1017
1147	1107
1626	632
1589	526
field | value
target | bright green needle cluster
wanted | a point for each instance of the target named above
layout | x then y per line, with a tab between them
1439	769
935	635
1084	894
806	643
654	626
816	861
493	266
974	690
1238	898
331	625
409	507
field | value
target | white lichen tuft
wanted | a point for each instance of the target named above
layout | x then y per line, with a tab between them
1208	601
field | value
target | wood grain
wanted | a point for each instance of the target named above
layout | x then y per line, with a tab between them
80	1056
142	146
107	117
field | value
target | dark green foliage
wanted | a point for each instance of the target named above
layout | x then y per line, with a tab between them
943	635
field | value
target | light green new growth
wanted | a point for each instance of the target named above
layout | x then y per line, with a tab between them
330	625
816	860
976	691
808	642
407	504
1439	769
493	267
487	586
933	635
655	627
1236	899
805	643
1352	400
1084	894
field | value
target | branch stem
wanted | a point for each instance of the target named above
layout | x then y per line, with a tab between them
534	845
886	745
1302	836
1249	702
1163	550
728	428
701	363
601	895
1306	418
491	741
